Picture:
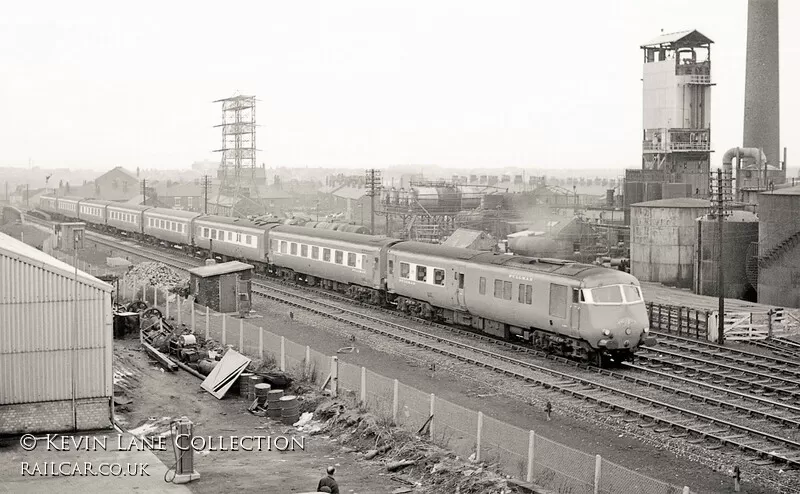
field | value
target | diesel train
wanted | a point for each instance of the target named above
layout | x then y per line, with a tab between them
571	309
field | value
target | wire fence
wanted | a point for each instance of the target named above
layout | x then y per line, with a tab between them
519	453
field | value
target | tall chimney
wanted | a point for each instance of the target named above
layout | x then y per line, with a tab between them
761	93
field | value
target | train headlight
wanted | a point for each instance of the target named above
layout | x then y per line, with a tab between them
606	332
646	329
627	330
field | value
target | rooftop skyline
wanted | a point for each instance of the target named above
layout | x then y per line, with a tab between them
359	83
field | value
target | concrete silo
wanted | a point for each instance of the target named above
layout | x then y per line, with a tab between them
664	239
740	230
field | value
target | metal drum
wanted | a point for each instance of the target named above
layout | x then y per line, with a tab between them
244	382
274	403
261	390
251	389
290	410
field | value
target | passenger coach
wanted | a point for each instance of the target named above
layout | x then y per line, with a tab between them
341	261
169	226
234	238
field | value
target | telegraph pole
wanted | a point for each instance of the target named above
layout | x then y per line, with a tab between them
144	192
720	269
373	187
205	194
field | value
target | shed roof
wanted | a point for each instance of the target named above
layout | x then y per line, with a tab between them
14	249
220	269
691	36
675	202
464	237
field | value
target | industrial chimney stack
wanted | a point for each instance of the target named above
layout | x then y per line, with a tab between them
761	94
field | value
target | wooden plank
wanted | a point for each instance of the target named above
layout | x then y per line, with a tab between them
162	359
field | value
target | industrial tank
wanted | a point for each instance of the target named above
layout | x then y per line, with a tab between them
779	247
471	197
533	246
739	228
664	239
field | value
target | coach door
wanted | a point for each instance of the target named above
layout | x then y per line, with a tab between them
575	311
460	289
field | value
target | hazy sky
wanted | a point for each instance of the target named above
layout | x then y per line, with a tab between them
360	83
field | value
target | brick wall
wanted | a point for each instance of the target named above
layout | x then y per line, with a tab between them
55	416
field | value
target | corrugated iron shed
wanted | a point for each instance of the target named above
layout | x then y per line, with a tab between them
55	342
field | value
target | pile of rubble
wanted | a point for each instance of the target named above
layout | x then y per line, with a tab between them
157	274
413	461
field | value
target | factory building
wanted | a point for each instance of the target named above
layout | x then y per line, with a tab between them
56	325
779	247
664	240
676	133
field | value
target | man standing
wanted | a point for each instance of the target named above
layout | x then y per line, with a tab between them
329	482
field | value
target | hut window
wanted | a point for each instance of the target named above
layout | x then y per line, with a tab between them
438	276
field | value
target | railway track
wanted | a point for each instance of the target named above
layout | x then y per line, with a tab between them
744	358
780	346
661	415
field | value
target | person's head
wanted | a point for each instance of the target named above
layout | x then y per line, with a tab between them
331	470
324	488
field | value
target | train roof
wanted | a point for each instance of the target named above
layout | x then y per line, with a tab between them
229	220
175	213
436	250
540	265
100	202
355	238
69	198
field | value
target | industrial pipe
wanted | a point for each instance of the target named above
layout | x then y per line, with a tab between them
739	153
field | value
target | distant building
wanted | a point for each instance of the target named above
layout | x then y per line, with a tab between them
118	184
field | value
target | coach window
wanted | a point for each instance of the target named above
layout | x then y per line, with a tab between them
275	245
205	232
293	249
238	237
482	286
338	257
326	255
391	266
213	234
351	259
283	246
576	295
303	250
314	252
405	270
507	289
521	296
438	276
558	301
498	288
529	294
461	281
422	273
230	236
